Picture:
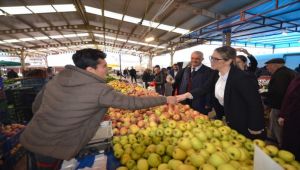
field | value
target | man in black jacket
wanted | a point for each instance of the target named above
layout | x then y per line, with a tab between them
280	80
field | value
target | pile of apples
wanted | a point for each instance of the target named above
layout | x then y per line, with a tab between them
11	130
127	122
200	144
131	89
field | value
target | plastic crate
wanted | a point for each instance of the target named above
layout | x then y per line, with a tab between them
11	142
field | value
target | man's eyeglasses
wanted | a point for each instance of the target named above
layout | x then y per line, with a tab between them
211	58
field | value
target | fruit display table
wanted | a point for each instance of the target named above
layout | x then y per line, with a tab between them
179	138
11	149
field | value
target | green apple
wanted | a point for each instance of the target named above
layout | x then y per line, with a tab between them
249	145
210	148
166	158
159	132
224	137
184	143
225	130
233	153
236	164
196	143
295	164
139	149
154	160
259	143
279	161
216	159
163	166
179	154
216	133
215	141
169	150
217	123
244	154
226	166
201	136
125	158
249	167
147	141
286	155
116	139
156	140
172	124
197	159
188	161
273	150
182	126
190	152
168	131
173	164
208	167
160	149
151	148
205	154
177	133
142	164
130	164
117	146
185	167
225	144
235	143
128	150
135	156
241	138
118	153
196	130
289	167
209	134
188	134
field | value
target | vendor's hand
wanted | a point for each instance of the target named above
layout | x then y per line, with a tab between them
171	100
280	121
242	50
255	132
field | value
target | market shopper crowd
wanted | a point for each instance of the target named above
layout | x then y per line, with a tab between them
68	109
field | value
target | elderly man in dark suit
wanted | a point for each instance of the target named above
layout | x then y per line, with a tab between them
193	77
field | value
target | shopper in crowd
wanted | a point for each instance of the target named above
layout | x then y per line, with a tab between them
68	110
159	80
169	85
125	72
236	91
289	118
174	70
132	73
297	69
50	73
280	80
147	77
262	72
194	77
11	74
241	61
178	77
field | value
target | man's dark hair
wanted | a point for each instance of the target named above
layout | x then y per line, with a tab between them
242	57
87	58
157	66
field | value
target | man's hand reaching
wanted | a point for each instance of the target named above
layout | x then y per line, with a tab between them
171	100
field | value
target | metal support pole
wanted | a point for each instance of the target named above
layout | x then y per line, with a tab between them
227	37
172	52
120	62
22	60
150	61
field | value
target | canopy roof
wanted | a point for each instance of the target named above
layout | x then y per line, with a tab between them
43	27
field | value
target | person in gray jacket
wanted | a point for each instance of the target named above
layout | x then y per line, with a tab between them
68	110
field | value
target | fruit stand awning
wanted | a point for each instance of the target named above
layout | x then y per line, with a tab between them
9	63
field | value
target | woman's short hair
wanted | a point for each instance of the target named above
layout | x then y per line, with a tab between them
226	52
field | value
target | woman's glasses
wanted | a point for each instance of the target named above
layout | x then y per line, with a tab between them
211	58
